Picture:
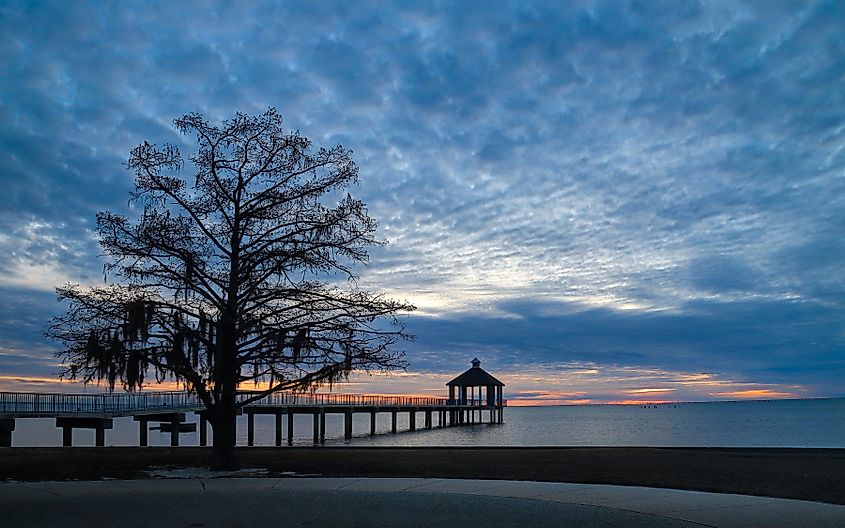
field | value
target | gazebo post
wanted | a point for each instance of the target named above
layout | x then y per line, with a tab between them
491	400
500	406
476	403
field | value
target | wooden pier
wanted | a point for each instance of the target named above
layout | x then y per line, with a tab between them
470	395
97	411
447	412
94	411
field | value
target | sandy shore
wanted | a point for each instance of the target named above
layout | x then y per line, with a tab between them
809	474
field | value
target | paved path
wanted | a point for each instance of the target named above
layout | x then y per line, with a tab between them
200	502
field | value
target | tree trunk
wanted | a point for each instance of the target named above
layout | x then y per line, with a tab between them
226	407
223	451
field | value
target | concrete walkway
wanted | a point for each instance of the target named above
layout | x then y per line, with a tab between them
199	502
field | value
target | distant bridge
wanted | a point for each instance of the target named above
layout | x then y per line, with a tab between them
96	411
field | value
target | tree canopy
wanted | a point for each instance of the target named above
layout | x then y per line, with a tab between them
241	272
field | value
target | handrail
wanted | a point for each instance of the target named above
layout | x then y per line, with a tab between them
476	402
106	403
125	403
328	399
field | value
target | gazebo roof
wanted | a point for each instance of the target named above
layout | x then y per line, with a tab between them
475	377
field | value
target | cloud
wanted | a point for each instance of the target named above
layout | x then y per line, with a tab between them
636	183
789	342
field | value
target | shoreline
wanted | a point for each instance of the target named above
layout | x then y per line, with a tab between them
815	474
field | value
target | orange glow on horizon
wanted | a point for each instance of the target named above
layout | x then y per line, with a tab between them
23	383
544	403
755	394
650	390
639	402
33	379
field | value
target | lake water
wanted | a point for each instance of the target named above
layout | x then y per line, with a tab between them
777	423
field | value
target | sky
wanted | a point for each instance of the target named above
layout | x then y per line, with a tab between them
603	201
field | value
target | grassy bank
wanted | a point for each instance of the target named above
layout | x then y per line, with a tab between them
810	474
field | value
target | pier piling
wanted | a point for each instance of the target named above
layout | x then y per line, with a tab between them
203	430
290	428
347	425
7	426
174	432
98	424
143	431
250	429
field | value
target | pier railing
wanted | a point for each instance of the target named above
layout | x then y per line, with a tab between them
124	404
474	402
111	404
357	400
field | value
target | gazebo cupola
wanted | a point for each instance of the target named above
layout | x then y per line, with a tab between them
474	390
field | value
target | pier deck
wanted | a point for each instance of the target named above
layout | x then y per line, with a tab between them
96	411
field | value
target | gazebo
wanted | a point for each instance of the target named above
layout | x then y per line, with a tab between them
475	390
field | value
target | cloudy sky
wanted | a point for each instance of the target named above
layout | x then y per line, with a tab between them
603	201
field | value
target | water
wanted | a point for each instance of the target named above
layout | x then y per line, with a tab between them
792	423
777	423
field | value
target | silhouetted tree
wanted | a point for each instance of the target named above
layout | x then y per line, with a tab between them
233	277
